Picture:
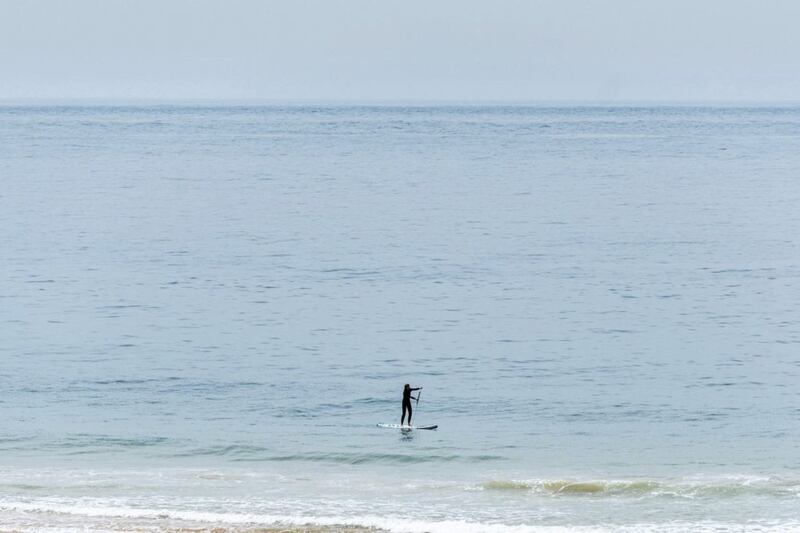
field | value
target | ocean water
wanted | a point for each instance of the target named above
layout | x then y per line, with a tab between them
205	311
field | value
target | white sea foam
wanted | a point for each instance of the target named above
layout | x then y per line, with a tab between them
59	517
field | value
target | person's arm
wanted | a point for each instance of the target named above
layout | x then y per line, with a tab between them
418	388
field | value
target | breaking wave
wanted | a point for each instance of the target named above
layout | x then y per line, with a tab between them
730	487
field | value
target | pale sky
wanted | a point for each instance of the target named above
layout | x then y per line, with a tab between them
432	50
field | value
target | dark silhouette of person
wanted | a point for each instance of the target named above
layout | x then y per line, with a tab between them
407	402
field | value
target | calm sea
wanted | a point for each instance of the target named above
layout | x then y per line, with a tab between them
205	311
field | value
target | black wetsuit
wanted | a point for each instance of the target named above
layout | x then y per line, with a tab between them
407	404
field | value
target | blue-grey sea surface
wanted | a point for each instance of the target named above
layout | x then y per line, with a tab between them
205	311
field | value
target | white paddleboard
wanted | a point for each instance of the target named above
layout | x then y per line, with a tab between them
409	428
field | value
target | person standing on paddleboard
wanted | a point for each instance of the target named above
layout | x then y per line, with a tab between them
407	402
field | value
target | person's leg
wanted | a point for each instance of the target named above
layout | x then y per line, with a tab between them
403	418
409	414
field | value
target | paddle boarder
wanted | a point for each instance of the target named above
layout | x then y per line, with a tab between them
407	390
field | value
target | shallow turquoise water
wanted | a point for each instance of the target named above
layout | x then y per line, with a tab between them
209	309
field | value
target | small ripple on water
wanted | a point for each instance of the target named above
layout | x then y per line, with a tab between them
245	453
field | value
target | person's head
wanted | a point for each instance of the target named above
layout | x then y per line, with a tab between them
407	386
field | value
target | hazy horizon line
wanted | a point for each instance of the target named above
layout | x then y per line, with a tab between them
388	102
